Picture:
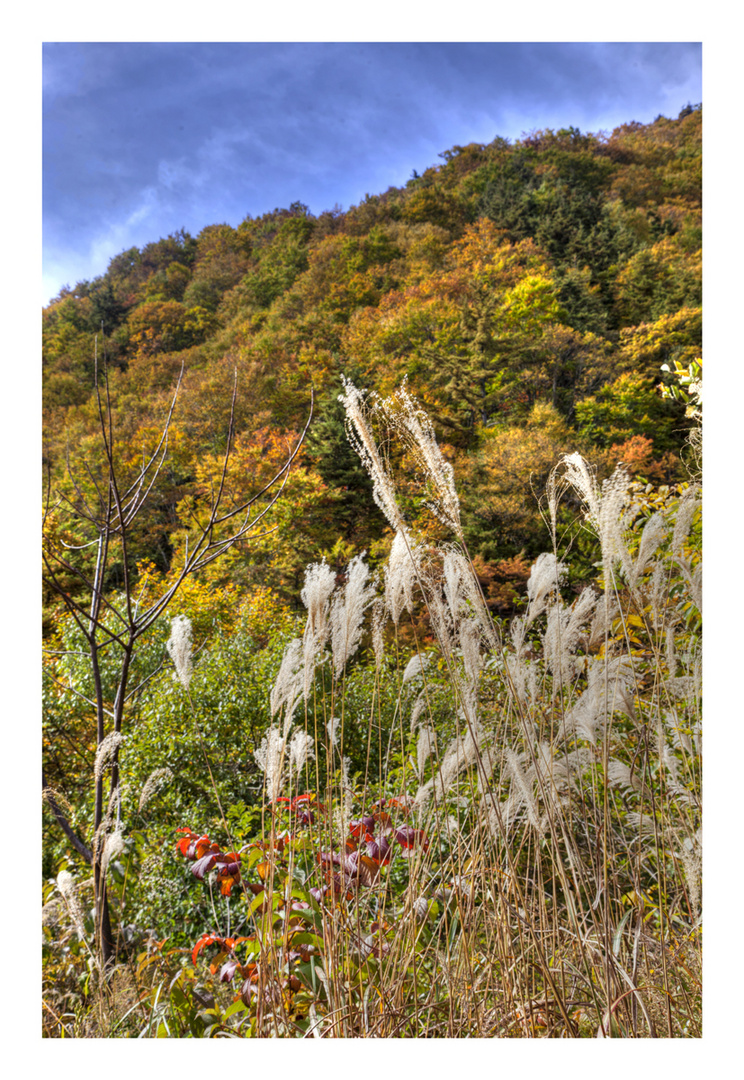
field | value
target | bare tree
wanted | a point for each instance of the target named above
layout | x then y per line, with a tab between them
108	516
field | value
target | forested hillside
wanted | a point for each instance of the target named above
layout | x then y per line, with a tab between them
528	291
372	611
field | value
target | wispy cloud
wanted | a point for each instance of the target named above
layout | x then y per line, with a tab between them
143	139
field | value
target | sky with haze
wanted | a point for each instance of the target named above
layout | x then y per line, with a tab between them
142	139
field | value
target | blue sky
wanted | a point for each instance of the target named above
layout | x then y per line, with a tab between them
141	139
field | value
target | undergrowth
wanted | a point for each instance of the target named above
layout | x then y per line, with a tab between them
514	851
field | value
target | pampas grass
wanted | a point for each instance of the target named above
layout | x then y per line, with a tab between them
522	857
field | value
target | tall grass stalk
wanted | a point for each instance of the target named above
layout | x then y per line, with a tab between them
520	854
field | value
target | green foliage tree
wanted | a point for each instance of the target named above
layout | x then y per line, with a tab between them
353	516
630	406
506	275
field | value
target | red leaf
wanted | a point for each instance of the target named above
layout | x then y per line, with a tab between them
408	837
203	866
228	970
369	870
204	940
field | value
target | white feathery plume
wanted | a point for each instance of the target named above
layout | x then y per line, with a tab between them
585	715
469	708
300	752
579	612
679	736
347	612
424	749
521	794
604	509
671	652
379	618
361	438
694	581
601	624
452	571
653	534
697	736
400	575
157	780
453	764
619	775
286	690
114	846
583	480
680	686
556	661
422	798
655	591
517	632
440	621
623	701
461	589
488	759
691	856
463	593
606	691
66	886
309	657
556	776
343	810
460	755
554	489
518	671
179	646
415	427
414	668
565	771
673	782
562	636
688	504
270	757
418	707
105	753
113	810
65	883
612	521
546	576
472	658
50	913
644	823
320	581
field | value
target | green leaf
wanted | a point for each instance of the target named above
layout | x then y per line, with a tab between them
619	932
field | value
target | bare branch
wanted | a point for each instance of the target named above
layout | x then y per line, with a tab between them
144	682
230	432
77	547
146	467
64	824
73	605
72	690
284	471
86	513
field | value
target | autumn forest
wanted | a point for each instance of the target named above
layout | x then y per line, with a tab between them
401	379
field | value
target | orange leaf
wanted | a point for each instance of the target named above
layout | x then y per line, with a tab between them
204	940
